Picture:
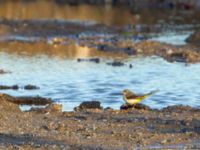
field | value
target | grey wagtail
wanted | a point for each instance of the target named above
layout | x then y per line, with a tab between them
131	98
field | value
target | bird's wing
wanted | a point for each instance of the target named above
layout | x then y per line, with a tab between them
131	96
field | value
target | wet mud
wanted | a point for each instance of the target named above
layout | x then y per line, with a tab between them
94	127
79	40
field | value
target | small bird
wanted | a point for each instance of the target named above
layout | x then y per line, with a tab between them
131	98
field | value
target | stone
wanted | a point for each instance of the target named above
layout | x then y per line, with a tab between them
3	71
89	105
95	60
116	63
31	87
32	100
194	38
13	87
55	107
136	106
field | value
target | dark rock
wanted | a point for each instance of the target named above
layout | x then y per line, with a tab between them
95	60
108	108
130	51
15	87
116	64
179	108
102	47
31	101
177	57
4	87
79	59
125	107
60	2
107	48
136	106
31	87
194	38
130	66
113	48
3	71
89	105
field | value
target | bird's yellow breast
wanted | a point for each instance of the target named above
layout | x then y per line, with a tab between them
133	101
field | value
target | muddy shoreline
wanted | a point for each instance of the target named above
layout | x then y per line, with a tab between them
99	40
98	128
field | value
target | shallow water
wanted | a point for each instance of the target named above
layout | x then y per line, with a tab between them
69	82
174	38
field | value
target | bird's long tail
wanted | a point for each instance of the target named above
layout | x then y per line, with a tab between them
150	93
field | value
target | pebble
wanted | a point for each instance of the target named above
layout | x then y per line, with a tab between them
61	127
50	125
163	141
88	105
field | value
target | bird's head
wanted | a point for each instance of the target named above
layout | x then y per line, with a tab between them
125	92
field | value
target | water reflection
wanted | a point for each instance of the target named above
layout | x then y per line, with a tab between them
49	10
118	15
66	51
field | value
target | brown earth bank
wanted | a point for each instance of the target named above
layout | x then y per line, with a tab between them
187	5
95	50
79	39
92	127
46	28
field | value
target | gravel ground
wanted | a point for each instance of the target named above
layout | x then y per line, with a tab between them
96	128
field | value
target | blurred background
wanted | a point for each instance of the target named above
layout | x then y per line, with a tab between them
114	12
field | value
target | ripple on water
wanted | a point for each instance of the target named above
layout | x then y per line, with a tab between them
70	83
